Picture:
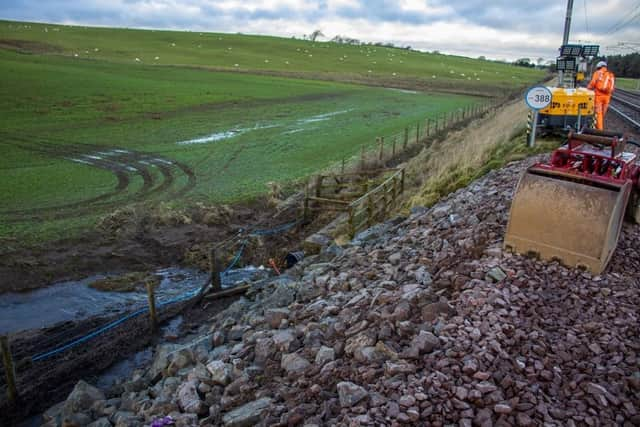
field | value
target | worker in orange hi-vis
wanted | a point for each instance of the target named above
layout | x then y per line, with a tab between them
603	83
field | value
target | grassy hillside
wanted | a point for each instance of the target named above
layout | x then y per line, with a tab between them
364	64
92	119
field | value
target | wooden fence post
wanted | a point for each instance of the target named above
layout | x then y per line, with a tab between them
418	132
319	179
153	316
406	138
343	165
9	370
305	212
393	146
362	158
394	194
384	202
428	124
369	211
352	227
402	181
214	268
381	155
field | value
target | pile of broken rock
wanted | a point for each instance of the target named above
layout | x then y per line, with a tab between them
421	321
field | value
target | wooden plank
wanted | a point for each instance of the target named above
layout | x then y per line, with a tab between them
362	173
228	292
360	200
324	200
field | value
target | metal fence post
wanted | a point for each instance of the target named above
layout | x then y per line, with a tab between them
9	370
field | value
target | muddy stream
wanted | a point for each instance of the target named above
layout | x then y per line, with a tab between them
75	300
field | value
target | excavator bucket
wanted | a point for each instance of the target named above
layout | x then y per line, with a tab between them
556	217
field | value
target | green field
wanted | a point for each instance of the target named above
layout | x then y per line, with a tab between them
631	84
86	128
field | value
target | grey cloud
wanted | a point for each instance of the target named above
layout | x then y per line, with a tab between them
541	18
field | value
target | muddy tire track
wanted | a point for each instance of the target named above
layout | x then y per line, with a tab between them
124	164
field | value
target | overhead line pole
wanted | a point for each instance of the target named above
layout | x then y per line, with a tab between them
565	36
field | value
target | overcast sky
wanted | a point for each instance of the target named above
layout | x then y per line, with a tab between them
498	29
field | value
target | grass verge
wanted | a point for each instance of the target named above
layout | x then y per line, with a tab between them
486	144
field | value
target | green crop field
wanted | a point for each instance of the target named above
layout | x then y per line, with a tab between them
631	84
92	119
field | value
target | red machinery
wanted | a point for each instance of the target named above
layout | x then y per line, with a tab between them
572	208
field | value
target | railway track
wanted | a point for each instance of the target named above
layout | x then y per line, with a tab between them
626	104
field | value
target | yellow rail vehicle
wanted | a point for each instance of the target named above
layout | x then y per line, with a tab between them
569	108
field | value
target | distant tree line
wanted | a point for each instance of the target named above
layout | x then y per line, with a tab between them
625	65
315	35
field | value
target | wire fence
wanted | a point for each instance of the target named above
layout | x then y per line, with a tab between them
46	354
388	146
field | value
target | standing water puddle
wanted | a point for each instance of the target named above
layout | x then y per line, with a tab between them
75	300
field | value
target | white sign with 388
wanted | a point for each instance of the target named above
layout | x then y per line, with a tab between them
538	97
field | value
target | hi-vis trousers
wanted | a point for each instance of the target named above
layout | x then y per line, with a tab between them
601	106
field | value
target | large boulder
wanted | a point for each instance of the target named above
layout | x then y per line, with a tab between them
189	400
325	355
248	414
350	393
81	399
220	372
101	422
275	316
294	363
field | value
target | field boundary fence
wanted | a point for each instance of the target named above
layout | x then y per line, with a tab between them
364	189
387	147
10	370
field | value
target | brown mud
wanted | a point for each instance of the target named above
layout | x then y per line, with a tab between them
132	239
145	238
